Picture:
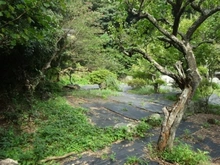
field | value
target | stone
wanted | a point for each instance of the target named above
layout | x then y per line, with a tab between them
8	161
154	116
128	126
215	80
72	86
167	79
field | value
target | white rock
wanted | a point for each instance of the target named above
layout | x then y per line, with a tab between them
8	161
155	116
215	80
167	79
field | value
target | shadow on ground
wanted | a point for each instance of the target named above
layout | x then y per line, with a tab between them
127	108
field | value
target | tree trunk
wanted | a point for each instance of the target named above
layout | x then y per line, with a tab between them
173	116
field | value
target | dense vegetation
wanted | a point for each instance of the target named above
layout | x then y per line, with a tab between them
46	45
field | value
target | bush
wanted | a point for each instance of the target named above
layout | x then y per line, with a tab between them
137	83
183	154
104	78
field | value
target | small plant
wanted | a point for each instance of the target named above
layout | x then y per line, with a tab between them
172	97
156	84
206	125
145	90
187	133
137	83
112	156
183	154
94	93
141	128
155	122
214	109
104	156
124	109
134	160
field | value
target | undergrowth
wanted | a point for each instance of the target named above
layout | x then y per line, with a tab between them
146	90
182	154
54	129
105	93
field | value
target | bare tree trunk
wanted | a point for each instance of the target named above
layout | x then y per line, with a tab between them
173	116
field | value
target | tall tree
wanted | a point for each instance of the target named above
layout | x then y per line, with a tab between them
167	34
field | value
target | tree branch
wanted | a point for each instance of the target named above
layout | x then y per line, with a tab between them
197	7
178	10
162	30
199	21
152	61
17	18
203	42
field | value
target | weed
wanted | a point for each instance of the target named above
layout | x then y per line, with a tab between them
105	93
206	125
172	97
183	154
124	109
134	160
187	133
60	129
214	109
112	156
146	90
104	156
141	128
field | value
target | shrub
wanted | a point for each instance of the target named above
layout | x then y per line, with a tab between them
183	154
104	78
137	83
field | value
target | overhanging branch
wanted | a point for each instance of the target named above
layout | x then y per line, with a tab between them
199	21
203	42
173	38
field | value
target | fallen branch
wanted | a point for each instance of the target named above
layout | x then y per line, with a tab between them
56	157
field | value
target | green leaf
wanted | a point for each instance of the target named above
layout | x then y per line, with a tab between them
46	4
2	2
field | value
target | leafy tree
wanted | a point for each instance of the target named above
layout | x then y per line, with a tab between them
29	41
169	34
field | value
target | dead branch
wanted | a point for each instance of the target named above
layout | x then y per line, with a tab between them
56	157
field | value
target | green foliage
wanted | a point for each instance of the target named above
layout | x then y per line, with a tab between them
29	37
205	89
141	128
184	155
56	128
21	26
99	76
104	78
94	93
154	122
215	109
143	71
137	83
172	97
159	82
146	90
203	71
133	160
